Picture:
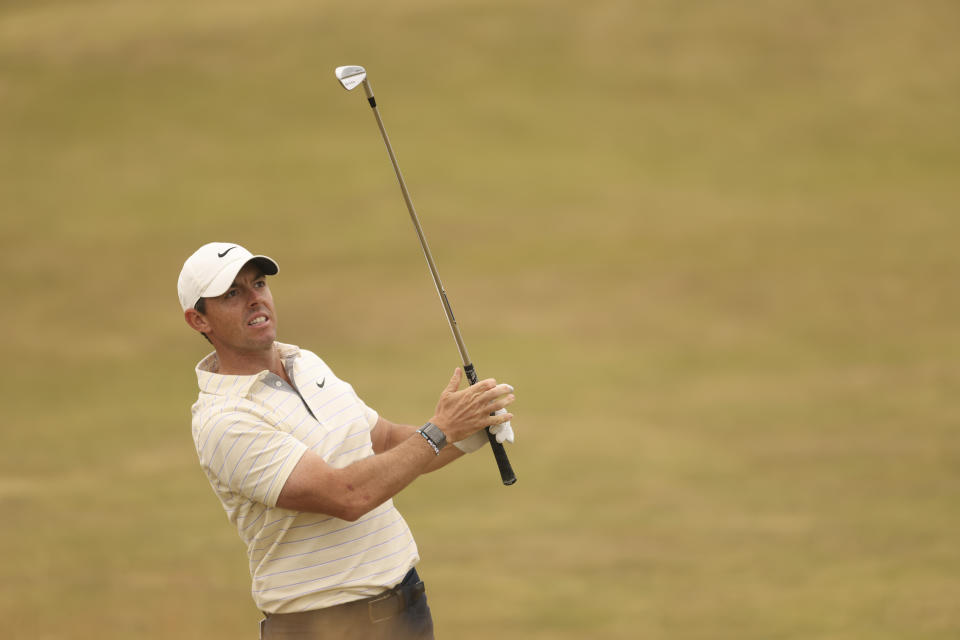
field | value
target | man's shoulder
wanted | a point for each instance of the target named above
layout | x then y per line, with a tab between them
211	409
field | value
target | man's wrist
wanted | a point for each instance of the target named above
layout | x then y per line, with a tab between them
434	436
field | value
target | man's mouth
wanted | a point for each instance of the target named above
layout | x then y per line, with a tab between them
257	320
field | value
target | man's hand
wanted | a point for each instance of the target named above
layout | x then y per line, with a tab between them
503	433
461	413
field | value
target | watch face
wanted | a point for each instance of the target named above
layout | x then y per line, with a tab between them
436	434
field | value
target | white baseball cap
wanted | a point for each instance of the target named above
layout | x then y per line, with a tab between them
211	269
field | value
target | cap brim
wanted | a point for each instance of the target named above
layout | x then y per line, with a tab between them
223	280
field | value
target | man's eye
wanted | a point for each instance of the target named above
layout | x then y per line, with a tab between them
230	293
260	284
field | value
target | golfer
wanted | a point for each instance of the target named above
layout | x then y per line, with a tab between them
305	470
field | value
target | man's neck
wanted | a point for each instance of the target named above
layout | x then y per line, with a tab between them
235	363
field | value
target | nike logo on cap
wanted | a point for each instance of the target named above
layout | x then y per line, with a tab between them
220	255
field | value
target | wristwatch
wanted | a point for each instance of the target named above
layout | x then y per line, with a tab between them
434	436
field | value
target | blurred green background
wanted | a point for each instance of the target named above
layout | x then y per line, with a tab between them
712	244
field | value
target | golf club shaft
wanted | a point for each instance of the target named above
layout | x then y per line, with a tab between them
499	452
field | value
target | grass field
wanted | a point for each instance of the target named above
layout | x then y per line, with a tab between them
712	244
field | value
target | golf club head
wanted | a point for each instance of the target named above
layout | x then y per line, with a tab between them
351	76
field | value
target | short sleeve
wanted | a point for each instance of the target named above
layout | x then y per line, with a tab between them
370	415
242	453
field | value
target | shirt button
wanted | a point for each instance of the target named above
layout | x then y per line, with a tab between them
279	383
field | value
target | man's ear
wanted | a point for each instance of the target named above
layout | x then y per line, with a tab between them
196	320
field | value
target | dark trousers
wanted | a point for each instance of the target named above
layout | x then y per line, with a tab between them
402	613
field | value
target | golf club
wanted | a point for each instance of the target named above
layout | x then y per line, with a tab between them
351	77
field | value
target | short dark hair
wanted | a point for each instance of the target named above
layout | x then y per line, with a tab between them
201	308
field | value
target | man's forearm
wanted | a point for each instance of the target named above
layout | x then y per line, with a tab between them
352	491
400	454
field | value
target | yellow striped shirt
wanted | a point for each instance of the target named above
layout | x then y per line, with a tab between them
250	431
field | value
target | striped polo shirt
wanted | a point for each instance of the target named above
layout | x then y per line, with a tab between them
250	432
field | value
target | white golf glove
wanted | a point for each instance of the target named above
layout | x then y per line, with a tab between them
502	432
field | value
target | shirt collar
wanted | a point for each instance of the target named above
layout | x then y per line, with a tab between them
210	381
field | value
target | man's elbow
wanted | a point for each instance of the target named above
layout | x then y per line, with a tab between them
351	514
353	504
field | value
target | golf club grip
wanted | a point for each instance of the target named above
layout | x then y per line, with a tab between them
499	451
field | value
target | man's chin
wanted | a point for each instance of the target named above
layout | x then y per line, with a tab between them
264	337
266	343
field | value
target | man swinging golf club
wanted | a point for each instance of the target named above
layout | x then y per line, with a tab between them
305	470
